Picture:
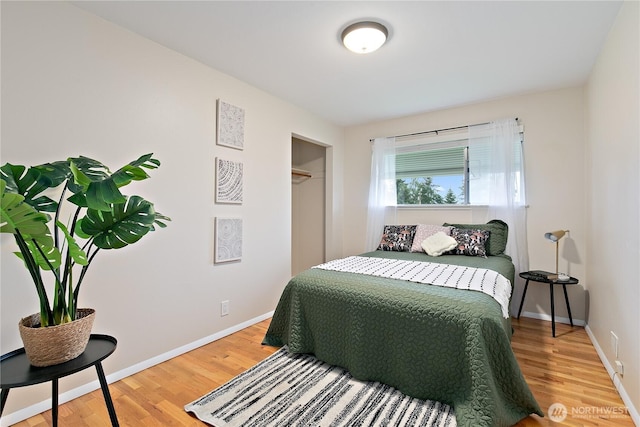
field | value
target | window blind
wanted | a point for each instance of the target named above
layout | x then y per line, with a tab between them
433	162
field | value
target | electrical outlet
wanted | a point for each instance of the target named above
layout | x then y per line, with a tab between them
224	308
614	343
620	368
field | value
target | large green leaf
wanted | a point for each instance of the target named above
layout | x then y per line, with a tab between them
54	173
16	214
57	173
124	224
100	190
30	183
86	170
12	175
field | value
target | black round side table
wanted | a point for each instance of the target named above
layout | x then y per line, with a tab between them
529	275
16	371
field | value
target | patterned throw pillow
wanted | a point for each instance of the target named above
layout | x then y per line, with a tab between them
397	238
426	230
497	243
470	242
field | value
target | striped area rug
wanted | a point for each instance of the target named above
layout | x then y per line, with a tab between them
299	390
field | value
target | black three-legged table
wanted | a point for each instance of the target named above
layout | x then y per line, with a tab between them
536	278
16	371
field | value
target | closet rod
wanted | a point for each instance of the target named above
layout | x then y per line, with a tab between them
436	131
300	172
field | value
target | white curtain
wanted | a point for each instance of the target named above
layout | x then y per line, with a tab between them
496	179
382	190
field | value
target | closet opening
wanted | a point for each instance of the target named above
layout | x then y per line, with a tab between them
309	195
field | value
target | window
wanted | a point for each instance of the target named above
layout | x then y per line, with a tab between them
430	174
443	169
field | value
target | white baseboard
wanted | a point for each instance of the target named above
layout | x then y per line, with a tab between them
30	411
633	411
547	317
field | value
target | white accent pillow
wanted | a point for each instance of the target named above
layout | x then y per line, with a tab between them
426	230
438	244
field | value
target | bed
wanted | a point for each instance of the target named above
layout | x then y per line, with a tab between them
430	342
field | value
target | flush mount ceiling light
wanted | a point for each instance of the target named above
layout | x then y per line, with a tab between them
364	37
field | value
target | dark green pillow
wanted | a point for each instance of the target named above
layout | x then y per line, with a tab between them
497	242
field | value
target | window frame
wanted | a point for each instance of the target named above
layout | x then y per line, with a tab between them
439	140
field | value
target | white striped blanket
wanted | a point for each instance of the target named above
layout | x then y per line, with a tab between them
447	275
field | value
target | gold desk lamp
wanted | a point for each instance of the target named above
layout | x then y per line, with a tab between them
555	236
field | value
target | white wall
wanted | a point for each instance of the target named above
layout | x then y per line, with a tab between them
613	186
73	84
554	150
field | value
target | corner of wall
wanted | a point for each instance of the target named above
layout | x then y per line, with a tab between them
633	411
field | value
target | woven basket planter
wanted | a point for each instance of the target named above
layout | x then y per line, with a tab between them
56	344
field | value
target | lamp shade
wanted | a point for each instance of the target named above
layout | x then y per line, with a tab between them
554	236
364	37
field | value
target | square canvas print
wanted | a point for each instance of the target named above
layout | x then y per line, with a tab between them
228	239
229	175
230	125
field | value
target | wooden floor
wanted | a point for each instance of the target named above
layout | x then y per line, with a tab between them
565	370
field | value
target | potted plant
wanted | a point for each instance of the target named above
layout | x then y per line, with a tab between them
98	216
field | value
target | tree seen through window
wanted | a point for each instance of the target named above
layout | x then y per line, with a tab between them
430	190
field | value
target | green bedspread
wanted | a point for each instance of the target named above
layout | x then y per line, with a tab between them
429	342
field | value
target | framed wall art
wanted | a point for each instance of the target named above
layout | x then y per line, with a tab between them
230	125
229	176
228	240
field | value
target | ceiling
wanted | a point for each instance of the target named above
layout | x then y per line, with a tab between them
439	54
